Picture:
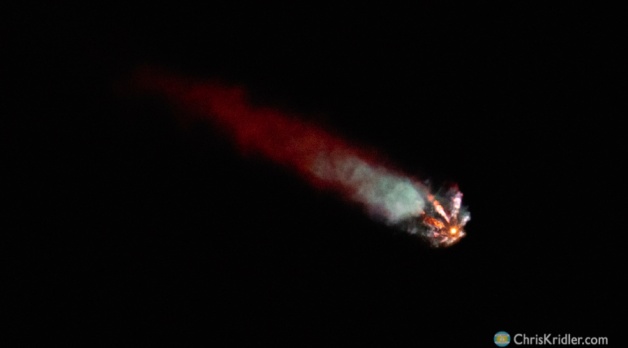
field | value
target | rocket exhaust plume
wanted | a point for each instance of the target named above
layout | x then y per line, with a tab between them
323	159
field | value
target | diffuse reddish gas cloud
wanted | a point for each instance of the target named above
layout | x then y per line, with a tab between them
325	160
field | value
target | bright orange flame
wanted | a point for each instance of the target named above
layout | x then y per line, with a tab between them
453	230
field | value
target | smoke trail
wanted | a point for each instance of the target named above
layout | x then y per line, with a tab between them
322	158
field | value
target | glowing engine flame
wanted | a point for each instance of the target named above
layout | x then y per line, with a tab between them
438	226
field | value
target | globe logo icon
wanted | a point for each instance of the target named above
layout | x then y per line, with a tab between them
502	339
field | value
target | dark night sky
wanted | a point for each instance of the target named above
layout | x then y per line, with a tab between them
127	227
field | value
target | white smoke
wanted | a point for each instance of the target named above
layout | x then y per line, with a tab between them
386	195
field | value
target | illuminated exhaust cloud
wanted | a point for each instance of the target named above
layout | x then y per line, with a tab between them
322	158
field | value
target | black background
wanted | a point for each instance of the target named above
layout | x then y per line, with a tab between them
129	228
